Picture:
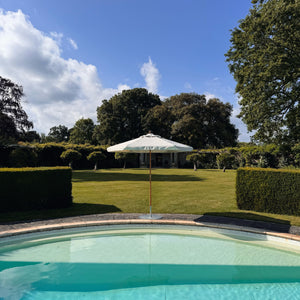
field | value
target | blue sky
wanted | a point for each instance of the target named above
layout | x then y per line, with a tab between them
70	55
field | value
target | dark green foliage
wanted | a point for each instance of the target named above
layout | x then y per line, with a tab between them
82	132
296	154
201	123
35	188
121	118
8	130
49	154
225	160
159	120
58	134
13	119
23	157
70	156
265	62
268	190
95	157
4	156
195	158
30	136
208	160
125	157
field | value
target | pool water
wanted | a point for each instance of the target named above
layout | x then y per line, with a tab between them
149	262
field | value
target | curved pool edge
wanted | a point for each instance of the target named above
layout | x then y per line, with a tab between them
243	225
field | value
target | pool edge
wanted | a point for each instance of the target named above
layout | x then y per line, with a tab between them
8	230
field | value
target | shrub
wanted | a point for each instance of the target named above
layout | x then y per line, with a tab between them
4	156
225	161
296	154
35	188
195	158
70	155
268	190
23	157
95	157
49	154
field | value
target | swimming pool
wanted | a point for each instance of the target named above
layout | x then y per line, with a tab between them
149	262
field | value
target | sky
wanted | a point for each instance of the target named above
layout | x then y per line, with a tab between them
71	55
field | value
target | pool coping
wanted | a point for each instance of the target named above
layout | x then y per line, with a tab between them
267	228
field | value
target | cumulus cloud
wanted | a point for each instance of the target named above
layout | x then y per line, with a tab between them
73	43
151	75
58	90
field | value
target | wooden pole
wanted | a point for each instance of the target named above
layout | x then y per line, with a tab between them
150	197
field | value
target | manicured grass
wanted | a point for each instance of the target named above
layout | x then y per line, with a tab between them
181	191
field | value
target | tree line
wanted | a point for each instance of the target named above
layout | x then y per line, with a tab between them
188	118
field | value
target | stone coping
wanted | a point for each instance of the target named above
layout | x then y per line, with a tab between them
260	227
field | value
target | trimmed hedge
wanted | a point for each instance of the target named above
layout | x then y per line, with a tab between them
35	188
268	190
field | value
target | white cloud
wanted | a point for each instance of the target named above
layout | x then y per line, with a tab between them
151	75
57	90
57	36
210	96
73	43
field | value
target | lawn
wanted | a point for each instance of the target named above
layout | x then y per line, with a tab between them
181	191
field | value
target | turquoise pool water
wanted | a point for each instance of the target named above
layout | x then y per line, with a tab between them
149	262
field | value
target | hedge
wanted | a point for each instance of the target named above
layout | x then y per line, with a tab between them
268	190
35	188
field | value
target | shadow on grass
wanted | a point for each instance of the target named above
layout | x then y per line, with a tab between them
77	209
124	176
246	219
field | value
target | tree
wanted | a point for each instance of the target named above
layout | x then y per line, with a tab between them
124	156
13	119
59	134
8	130
70	156
159	120
225	160
264	59
201	123
82	132
121	118
195	158
30	136
96	157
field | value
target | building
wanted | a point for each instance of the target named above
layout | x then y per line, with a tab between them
163	160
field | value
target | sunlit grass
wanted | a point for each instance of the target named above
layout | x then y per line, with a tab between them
181	191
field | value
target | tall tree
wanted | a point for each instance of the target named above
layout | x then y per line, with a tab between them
121	118
82	132
159	120
30	136
59	133
13	119
201	123
264	59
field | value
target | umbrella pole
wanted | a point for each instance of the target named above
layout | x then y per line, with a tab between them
150	196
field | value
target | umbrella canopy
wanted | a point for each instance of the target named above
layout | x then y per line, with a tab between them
150	143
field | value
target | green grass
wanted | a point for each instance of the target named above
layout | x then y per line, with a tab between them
180	191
